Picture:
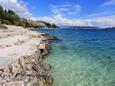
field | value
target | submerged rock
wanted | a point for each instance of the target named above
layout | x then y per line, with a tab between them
50	37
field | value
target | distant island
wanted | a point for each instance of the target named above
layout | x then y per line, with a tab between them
82	27
9	17
88	27
85	27
110	27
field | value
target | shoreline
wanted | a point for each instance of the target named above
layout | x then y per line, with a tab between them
22	52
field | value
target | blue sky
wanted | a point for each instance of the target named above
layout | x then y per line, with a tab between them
86	7
65	12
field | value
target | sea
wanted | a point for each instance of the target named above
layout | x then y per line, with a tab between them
83	57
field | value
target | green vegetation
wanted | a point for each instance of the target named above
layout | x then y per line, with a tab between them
10	18
3	27
50	25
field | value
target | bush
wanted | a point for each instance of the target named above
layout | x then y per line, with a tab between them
6	22
3	27
0	22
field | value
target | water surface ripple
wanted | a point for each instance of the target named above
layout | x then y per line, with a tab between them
83	58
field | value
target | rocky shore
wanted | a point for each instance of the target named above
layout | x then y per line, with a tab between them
21	55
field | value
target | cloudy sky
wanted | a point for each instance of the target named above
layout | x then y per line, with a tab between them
65	12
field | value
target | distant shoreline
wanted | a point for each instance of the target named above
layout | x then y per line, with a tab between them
88	27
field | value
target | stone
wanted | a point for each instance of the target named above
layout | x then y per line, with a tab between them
29	70
6	72
16	68
16	83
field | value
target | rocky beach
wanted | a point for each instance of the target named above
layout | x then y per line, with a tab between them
21	55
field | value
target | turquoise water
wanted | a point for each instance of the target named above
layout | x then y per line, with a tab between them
83	58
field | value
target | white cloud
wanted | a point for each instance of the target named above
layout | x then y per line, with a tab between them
101	14
58	12
102	19
66	9
99	21
108	3
18	6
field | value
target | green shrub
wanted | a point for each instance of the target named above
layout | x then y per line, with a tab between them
3	27
0	22
9	17
6	22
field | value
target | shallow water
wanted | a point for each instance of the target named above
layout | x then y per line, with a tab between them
83	58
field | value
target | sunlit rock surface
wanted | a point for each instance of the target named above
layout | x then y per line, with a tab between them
21	54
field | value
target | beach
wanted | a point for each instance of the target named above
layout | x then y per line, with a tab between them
21	55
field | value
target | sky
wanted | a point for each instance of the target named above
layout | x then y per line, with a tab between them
66	12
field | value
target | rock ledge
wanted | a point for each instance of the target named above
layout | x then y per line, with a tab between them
26	70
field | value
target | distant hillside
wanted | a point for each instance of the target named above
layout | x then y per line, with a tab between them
10	18
110	28
80	27
86	27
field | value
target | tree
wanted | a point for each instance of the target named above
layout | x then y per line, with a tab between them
10	17
2	13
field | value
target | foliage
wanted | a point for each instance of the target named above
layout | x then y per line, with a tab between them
0	22
10	18
3	27
6	22
49	25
